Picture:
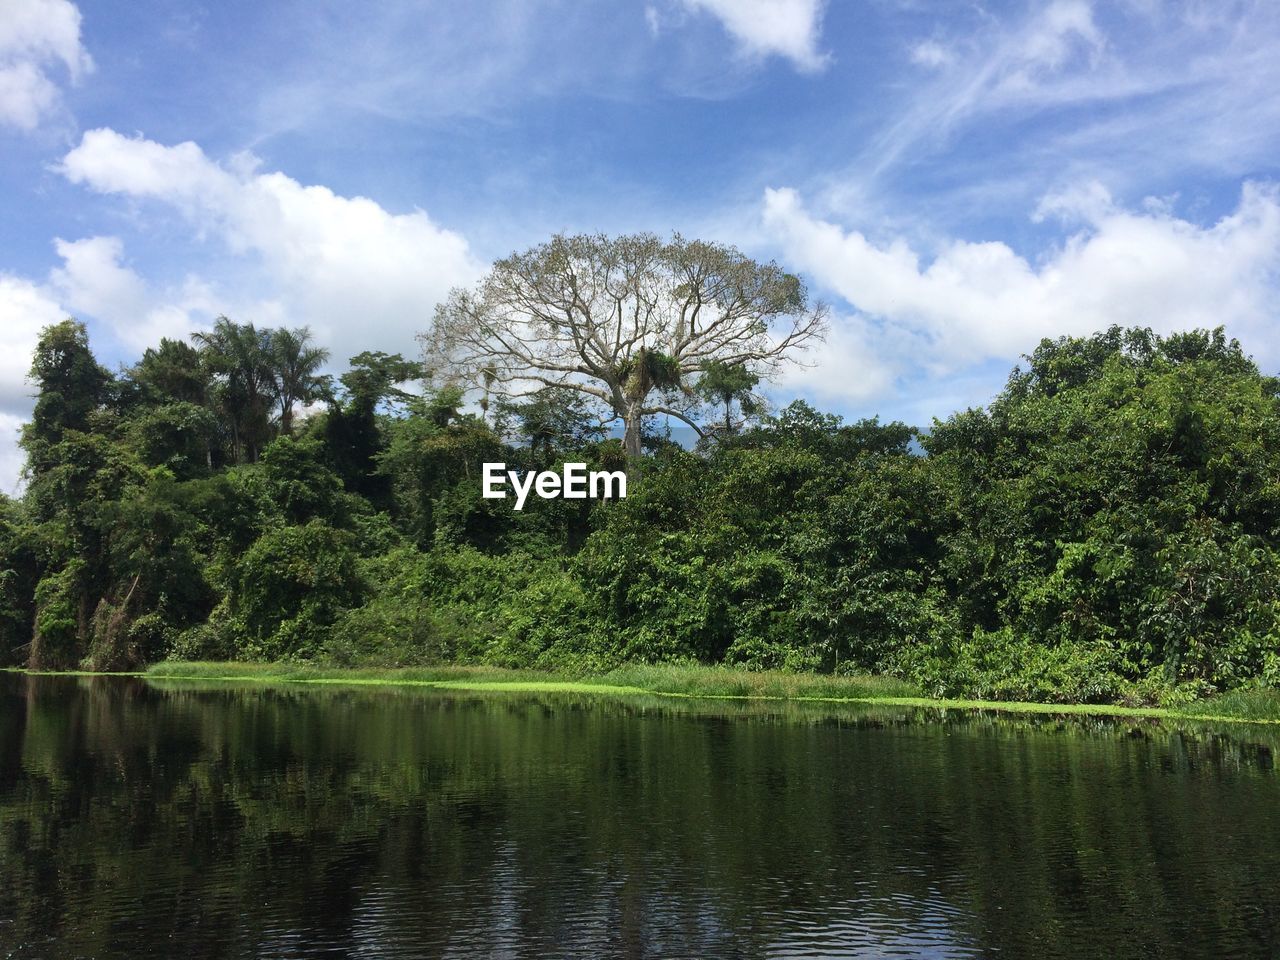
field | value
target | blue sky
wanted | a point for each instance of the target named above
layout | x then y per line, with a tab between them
957	179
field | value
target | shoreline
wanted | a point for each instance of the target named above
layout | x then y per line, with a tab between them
698	683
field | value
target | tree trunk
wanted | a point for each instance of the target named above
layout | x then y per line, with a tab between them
631	442
631	434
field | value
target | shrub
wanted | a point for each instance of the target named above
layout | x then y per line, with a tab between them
291	587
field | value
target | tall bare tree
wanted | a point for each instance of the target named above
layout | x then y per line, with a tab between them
628	321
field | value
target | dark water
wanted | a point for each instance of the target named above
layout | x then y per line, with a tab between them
207	821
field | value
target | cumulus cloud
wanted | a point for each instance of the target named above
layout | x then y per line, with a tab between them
978	301
25	308
1088	202
762	28
849	367
95	282
360	276
36	37
11	456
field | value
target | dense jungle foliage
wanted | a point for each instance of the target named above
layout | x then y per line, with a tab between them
1107	529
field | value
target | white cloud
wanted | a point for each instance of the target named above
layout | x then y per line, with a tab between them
1141	94
762	28
25	308
653	20
36	36
930	53
359	276
1087	202
94	282
847	368
1064	28
1024	67
975	302
11	456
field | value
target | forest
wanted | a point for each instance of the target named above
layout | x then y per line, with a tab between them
1105	530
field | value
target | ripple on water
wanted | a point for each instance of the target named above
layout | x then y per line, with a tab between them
246	822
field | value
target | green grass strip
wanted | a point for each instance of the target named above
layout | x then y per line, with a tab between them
1246	707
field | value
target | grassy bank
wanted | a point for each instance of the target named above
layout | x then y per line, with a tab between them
678	681
1244	706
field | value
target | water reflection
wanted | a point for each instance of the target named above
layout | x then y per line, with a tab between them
227	821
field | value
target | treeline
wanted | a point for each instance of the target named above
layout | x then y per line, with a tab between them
1107	529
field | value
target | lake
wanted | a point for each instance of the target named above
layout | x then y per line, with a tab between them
221	820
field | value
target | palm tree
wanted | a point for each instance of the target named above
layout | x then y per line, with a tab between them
295	378
240	357
723	383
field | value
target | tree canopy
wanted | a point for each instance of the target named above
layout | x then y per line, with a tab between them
629	322
1106	529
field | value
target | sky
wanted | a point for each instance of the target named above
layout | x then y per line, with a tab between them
957	179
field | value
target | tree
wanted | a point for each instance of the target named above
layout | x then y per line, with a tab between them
351	430
164	398
240	356
176	435
70	386
155	572
626	321
295	372
19	573
1113	518
290	587
300	483
552	419
172	372
724	383
374	379
70	469
431	451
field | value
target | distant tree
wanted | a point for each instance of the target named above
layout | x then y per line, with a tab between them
1116	504
18	578
164	400
177	435
351	429
70	386
625	321
71	471
374	379
725	384
173	371
553	419
295	367
299	482
433	449
240	357
154	578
